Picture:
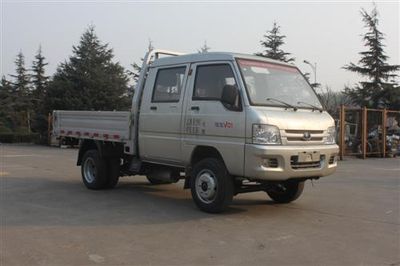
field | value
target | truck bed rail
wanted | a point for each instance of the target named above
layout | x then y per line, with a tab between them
99	125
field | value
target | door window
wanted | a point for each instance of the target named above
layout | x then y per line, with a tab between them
168	85
210	80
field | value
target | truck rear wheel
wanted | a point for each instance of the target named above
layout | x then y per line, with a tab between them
94	170
286	192
211	185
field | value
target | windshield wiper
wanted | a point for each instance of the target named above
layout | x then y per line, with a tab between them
313	106
282	102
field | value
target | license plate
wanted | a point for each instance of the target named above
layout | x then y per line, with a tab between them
308	157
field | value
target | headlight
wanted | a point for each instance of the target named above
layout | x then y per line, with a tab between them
266	134
331	138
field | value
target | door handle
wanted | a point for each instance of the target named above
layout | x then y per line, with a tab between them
153	107
195	108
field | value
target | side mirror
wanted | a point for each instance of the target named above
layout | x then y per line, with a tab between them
229	96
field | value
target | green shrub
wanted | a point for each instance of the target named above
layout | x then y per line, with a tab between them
4	129
21	130
19	137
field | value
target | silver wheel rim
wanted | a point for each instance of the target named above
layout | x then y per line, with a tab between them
89	170
206	186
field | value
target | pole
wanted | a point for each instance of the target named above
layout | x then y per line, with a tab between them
342	131
384	133
364	132
313	68
28	115
49	120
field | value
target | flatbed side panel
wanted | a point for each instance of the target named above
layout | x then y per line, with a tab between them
100	125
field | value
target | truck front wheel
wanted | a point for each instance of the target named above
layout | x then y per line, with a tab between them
94	170
211	185
286	192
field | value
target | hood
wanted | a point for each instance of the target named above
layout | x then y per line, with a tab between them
302	119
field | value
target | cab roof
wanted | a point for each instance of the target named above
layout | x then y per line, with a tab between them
210	56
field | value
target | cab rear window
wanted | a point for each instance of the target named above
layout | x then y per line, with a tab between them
168	85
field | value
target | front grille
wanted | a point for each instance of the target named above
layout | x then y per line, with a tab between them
332	159
295	164
302	139
297	135
301	131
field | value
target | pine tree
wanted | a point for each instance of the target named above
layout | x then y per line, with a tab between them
89	80
21	92
39	90
377	91
272	43
5	91
39	79
20	85
6	106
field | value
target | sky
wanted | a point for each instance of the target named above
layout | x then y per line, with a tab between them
325	33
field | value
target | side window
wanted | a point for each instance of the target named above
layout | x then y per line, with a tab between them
210	80
168	85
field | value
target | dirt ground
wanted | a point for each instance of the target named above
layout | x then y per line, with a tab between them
49	218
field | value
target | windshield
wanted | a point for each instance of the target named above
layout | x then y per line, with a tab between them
276	82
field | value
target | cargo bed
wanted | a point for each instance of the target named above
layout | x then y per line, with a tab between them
99	125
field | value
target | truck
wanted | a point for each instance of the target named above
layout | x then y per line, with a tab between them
226	123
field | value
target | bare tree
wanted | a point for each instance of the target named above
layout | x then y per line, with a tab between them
331	100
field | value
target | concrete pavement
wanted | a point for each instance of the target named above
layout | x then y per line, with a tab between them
49	218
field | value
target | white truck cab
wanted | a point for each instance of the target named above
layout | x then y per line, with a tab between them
226	123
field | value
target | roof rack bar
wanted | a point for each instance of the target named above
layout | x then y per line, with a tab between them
159	52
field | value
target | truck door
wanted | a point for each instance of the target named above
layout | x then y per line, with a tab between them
161	114
208	122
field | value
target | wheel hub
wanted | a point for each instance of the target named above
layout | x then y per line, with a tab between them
90	170
206	186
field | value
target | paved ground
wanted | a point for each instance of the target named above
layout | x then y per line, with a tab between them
49	218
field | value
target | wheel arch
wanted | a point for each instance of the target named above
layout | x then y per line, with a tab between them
199	153
84	146
105	149
202	152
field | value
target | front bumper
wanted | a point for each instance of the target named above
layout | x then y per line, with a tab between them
278	163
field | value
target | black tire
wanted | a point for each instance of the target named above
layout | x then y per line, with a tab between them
286	192
113	166
94	170
211	185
